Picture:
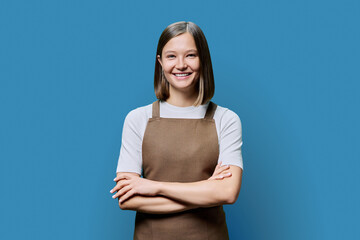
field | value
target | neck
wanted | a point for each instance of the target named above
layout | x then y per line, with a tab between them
182	99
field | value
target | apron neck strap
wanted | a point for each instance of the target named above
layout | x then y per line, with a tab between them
210	110
156	109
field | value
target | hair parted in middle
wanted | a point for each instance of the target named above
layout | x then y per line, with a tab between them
205	85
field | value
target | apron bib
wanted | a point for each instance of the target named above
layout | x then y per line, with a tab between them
181	150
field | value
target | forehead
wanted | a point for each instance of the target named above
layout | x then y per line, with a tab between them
182	42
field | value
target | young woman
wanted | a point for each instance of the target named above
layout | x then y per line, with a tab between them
187	148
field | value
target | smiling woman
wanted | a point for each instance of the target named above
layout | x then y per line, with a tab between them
187	147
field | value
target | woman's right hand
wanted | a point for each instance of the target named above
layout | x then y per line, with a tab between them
220	172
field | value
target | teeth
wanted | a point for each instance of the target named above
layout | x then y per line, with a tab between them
182	75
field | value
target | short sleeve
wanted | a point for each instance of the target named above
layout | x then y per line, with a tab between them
130	159
230	139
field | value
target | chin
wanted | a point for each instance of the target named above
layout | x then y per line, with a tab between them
184	87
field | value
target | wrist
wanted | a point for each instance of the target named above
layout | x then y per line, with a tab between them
160	188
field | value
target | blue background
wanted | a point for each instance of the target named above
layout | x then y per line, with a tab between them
70	71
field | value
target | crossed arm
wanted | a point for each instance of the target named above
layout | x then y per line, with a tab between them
140	194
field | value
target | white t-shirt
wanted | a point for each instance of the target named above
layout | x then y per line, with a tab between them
228	127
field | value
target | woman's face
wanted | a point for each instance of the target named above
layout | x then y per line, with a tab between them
180	63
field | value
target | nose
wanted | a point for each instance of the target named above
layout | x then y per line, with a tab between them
181	64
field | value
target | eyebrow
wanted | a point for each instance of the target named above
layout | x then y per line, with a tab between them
190	50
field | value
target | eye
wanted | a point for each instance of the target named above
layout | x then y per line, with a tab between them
170	56
192	55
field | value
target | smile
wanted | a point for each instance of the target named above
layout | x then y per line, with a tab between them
182	74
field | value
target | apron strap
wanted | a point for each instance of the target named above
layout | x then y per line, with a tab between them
156	109
210	110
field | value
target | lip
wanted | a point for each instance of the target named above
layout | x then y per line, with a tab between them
184	77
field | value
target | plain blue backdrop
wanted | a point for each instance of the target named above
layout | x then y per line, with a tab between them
71	70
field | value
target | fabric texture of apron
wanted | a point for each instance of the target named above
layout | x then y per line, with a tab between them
181	150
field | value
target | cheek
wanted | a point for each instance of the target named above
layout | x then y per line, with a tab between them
196	65
167	67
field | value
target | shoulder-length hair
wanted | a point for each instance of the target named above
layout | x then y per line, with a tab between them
205	85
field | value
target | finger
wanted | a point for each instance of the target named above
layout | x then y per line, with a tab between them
121	192
223	175
119	185
227	174
122	176
127	195
217	165
217	168
211	178
122	184
223	168
115	188
220	169
216	178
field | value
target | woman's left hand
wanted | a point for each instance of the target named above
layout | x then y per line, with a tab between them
129	185
220	172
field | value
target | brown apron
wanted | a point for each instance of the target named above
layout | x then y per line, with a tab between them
181	150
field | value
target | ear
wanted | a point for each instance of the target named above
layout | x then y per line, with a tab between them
159	59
